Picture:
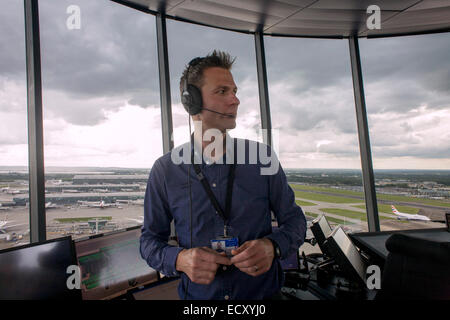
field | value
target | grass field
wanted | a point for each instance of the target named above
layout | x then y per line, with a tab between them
324	197
81	219
350	214
305	203
386	208
324	189
380	196
331	219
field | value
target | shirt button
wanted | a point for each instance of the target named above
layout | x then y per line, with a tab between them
227	297
214	185
224	268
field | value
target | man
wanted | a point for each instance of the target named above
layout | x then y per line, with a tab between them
174	192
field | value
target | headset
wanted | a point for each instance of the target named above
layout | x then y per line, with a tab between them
191	97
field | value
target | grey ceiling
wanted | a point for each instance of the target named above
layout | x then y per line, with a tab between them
316	18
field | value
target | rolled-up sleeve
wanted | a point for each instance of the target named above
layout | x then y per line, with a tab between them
154	246
291	231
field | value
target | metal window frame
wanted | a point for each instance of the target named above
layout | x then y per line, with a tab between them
164	83
363	135
264	103
35	123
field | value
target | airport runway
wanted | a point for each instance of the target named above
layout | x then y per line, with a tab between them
403	203
385	225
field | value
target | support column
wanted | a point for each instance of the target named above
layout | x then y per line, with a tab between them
164	83
363	135
35	123
266	122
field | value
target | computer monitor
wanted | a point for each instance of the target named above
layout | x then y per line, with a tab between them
347	257
111	264
321	229
38	271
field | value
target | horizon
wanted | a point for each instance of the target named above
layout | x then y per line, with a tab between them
22	167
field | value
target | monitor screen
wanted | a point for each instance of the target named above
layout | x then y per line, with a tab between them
321	229
111	265
37	271
345	253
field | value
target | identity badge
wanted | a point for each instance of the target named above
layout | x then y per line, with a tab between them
225	244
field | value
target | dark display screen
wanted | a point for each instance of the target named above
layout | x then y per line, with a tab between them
37	271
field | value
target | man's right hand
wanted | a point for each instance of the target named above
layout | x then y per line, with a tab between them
200	264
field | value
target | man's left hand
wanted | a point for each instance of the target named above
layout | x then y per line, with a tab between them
254	257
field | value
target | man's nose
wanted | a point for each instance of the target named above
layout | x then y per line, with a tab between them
235	99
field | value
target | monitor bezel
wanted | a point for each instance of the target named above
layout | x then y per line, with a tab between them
112	233
316	224
61	239
341	258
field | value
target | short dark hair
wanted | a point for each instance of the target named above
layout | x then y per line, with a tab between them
198	65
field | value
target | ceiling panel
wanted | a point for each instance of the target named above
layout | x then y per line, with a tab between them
325	18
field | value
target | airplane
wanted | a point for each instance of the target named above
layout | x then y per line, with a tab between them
8	190
3	225
49	205
407	216
95	204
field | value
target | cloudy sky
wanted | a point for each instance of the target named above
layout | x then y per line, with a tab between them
101	93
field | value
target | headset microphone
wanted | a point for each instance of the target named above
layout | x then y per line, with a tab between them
223	114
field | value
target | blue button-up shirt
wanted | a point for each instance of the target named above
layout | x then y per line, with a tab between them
254	197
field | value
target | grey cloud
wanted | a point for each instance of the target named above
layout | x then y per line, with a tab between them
307	63
12	40
145	99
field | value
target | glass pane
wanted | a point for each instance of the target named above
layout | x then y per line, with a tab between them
312	106
408	104
14	213
101	114
182	50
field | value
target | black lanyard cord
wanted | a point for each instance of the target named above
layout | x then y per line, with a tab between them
231	173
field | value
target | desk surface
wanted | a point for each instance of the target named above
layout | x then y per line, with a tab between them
376	241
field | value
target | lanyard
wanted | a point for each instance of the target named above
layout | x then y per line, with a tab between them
223	214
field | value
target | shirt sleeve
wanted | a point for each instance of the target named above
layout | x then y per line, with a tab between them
154	246
291	231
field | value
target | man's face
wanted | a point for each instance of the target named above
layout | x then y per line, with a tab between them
218	94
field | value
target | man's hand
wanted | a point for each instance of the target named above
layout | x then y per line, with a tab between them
254	257
200	264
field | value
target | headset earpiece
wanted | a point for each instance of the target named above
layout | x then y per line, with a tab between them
191	97
192	100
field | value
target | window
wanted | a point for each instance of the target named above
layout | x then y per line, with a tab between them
102	124
182	50
407	91
313	110
14	214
